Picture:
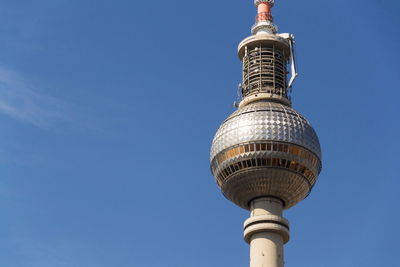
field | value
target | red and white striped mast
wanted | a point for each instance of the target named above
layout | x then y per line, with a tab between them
264	18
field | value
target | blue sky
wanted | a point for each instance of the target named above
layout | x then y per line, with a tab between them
108	109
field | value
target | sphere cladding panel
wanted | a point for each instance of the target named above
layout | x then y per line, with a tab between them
265	121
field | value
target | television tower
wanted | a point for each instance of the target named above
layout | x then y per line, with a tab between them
265	156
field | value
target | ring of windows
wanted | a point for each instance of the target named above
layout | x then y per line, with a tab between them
268	163
291	149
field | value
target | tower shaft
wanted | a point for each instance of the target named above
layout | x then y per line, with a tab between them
266	231
266	250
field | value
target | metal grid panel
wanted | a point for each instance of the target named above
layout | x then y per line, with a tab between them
263	121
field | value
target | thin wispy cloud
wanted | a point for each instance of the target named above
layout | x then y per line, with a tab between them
20	101
32	105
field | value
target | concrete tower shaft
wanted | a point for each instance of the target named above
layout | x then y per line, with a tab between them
266	231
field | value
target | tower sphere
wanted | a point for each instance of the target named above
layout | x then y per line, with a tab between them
265	149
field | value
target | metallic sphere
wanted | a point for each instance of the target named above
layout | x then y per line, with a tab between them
265	149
